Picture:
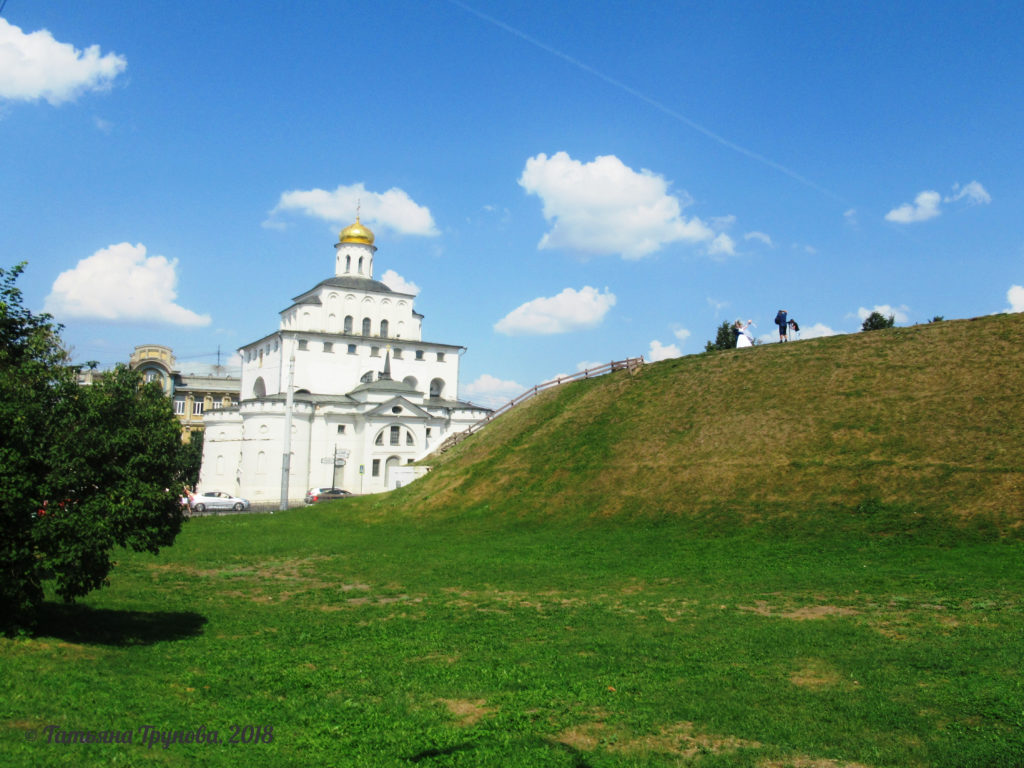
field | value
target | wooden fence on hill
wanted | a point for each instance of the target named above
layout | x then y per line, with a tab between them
631	364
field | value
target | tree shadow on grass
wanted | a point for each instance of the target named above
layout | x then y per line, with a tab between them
578	761
100	626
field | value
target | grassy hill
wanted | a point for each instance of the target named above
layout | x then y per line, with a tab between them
921	420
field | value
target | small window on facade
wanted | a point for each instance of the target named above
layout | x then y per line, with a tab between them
303	344
328	346
217	404
379	440
395	433
383	327
397	353
374	351
376	468
367	377
428	431
408	438
397	409
419	354
348	323
351	349
197	408
366	326
179	407
440	357
341	429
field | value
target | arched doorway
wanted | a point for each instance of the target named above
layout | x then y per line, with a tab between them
392	463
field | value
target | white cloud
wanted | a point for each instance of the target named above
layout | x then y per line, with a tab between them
393	209
35	66
899	313
1016	298
716	305
925	206
605	207
974	192
850	214
659	351
570	310
121	284
681	333
399	284
760	236
817	331
491	391
722	244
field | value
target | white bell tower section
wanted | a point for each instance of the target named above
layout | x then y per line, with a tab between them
354	252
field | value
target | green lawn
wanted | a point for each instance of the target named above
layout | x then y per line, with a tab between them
352	637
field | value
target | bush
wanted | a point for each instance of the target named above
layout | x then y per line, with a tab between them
876	321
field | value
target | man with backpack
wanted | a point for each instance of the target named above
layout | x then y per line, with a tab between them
781	321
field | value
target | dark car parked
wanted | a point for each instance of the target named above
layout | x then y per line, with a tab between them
313	495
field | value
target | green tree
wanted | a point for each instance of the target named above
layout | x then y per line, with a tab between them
876	321
191	459
82	469
724	338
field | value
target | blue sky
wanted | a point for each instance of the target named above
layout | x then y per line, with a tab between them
563	183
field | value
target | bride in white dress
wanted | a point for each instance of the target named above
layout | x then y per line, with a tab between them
744	339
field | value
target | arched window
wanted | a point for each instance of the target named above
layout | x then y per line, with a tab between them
383	327
348	323
411	381
360	265
259	388
436	388
366	326
261	463
367	377
348	263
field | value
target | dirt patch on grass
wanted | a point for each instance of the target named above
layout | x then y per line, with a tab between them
678	739
762	608
467	712
819	674
809	762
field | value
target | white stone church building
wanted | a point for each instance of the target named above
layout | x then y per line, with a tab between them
368	394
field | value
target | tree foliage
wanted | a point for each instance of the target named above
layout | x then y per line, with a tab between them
83	469
191	459
724	338
876	321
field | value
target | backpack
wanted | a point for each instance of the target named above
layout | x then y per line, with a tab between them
780	319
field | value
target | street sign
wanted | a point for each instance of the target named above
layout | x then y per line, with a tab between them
339	463
327	460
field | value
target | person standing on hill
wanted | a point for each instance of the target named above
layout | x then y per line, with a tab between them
781	321
743	338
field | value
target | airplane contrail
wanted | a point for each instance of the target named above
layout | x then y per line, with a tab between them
646	99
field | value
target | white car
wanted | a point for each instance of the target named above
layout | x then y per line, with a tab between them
217	500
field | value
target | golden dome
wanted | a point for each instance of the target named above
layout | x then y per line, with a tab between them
356	233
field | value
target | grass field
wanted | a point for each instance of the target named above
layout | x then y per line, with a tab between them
804	555
479	640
